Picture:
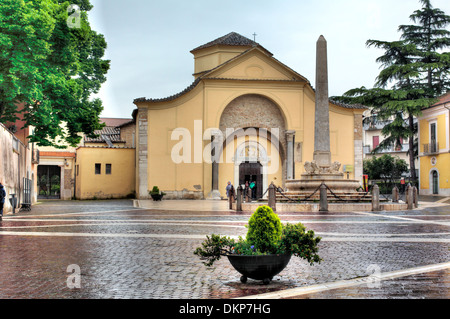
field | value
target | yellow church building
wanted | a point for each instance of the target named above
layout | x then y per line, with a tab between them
246	117
434	148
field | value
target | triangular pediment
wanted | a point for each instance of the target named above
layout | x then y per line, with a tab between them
254	64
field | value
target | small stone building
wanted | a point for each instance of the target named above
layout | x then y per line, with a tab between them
105	166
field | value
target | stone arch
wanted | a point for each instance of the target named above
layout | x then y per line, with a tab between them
274	100
259	112
252	110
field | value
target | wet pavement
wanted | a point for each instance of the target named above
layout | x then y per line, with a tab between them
124	252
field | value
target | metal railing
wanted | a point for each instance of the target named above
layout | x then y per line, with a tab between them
431	148
26	194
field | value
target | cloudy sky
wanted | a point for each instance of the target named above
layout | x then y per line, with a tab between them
149	42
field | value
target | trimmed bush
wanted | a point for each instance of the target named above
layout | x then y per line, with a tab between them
264	229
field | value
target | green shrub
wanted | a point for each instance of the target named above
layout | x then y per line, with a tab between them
296	241
264	229
243	247
213	248
155	190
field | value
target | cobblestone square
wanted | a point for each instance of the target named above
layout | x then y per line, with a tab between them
125	252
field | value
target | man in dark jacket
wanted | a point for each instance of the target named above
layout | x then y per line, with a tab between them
2	199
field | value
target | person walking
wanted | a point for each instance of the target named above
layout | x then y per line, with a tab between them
247	192
228	188
253	189
2	199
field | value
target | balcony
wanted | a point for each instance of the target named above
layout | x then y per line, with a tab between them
432	148
367	149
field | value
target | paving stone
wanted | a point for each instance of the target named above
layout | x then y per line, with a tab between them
120	256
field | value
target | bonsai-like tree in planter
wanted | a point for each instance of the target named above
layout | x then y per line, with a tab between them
267	248
156	194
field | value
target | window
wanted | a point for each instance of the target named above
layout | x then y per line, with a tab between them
98	169
108	169
399	146
376	141
433	133
15	144
433	138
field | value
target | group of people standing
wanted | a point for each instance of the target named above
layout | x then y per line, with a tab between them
249	190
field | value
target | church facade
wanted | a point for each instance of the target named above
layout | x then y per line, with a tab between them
246	117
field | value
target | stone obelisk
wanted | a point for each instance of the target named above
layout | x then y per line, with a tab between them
321	169
322	153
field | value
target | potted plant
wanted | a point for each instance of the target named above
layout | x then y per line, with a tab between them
156	194
267	248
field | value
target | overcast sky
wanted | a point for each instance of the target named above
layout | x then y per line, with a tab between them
149	42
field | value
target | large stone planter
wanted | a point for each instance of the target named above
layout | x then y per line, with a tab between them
263	267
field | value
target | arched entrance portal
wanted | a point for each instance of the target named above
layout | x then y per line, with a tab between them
251	127
255	112
251	164
252	172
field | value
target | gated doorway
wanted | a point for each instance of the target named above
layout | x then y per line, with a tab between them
435	182
49	182
252	172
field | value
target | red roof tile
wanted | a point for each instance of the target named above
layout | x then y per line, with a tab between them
114	121
56	154
444	98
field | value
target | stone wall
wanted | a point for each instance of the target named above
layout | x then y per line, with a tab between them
15	164
67	188
184	194
128	134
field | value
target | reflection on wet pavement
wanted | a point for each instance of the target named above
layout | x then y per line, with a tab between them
128	252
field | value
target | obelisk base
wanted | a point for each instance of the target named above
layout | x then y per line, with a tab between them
322	158
309	184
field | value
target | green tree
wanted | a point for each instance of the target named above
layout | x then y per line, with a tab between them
385	167
430	36
413	75
52	67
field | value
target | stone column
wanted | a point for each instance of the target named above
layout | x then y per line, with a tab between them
376	198
272	203
358	169
61	182
290	136
142	154
215	149
323	198
395	194
322	153
239	198
410	197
